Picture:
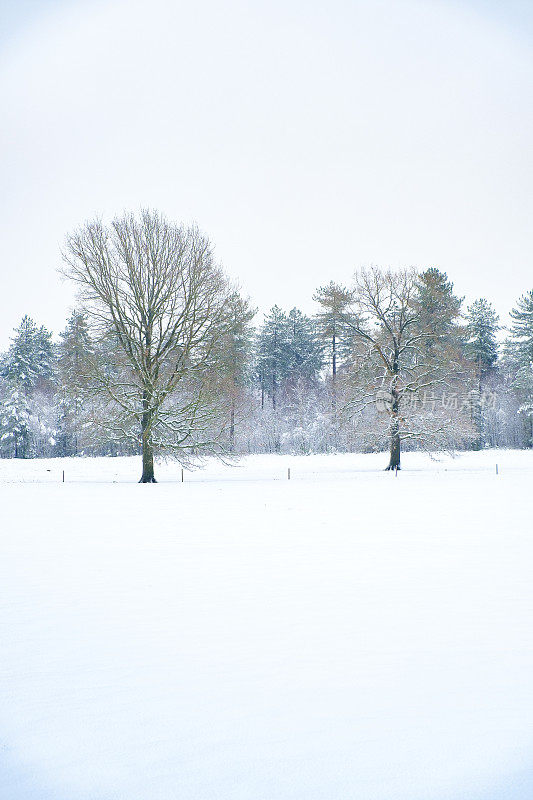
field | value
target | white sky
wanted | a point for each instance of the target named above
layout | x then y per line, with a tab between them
305	138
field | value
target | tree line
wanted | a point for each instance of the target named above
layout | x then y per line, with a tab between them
162	357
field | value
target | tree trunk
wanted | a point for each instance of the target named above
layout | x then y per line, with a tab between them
148	462
232	427
477	415
334	392
395	439
147	449
76	427
395	448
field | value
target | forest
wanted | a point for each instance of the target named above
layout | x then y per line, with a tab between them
164	356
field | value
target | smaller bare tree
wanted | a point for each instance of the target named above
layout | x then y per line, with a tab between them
159	304
395	376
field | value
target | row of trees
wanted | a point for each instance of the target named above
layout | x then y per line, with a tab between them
162	357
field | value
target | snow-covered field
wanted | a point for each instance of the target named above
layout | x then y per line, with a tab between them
347	635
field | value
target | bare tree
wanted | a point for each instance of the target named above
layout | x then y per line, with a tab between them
395	375
156	299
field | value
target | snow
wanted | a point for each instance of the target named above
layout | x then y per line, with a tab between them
345	634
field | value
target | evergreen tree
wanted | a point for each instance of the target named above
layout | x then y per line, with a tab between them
482	349
482	328
28	369
15	423
288	351
235	354
438	311
304	349
520	342
440	324
332	321
519	357
75	349
273	360
30	359
523	384
74	352
335	323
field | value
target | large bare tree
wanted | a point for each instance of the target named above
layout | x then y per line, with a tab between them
408	371
159	304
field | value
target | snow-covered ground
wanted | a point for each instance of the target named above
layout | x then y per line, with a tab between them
347	635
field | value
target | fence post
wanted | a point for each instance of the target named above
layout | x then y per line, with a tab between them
63	476
496	469
288	473
182	474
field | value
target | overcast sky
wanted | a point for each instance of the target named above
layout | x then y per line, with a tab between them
307	139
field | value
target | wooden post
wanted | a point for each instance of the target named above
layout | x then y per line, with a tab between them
496	469
63	476
289	474
182	474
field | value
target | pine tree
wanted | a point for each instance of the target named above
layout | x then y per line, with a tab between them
273	360
288	351
441	326
519	357
30	359
332	321
482	328
335	322
28	369
523	384
520	342
234	355
438	312
74	352
482	349
304	349
15	423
